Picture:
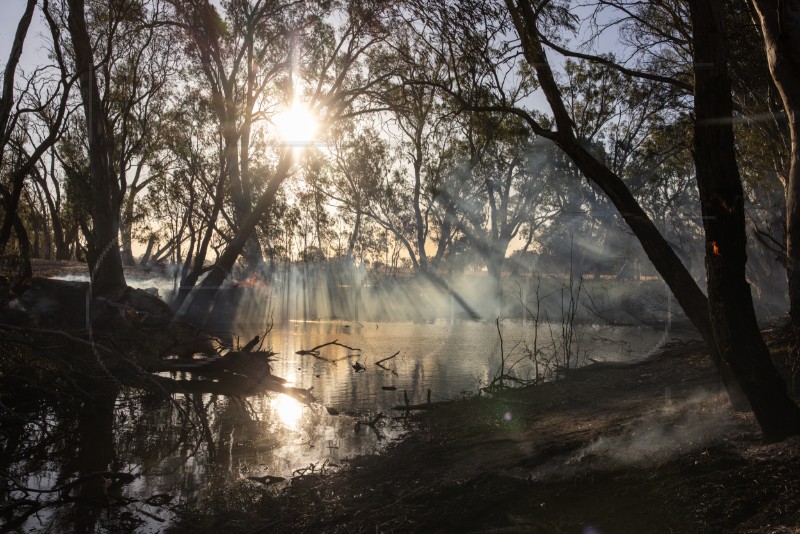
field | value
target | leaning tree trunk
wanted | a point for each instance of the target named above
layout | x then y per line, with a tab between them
104	258
733	317
689	296
198	303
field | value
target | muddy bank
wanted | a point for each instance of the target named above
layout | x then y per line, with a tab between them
652	447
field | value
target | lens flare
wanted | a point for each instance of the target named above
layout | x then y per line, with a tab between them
296	125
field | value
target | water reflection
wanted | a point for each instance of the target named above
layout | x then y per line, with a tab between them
289	410
120	459
124	460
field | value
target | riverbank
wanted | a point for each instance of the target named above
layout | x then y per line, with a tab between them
652	447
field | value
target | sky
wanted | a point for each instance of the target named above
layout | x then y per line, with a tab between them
10	13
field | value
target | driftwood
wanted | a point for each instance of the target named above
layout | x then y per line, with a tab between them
251	364
297	473
314	351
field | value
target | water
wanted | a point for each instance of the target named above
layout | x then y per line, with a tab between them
195	443
448	359
191	444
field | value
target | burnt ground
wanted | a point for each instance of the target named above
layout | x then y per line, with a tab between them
652	447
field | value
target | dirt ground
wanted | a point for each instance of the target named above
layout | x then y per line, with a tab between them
652	447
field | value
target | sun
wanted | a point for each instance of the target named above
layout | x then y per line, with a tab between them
296	125
289	410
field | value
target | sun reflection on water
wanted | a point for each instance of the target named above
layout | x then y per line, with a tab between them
289	410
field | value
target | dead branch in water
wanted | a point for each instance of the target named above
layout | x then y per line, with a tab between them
315	350
379	362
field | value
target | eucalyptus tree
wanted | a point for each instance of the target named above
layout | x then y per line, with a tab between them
535	26
7	124
41	102
48	178
330	78
419	126
139	103
490	23
360	163
241	53
780	30
313	231
121	54
722	198
514	178
192	145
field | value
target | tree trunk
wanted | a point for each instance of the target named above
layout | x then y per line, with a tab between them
61	244
418	218
689	296
780	26
496	260
24	246
7	99
351	244
126	229
198	304
732	315
10	206
105	261
198	268
148	251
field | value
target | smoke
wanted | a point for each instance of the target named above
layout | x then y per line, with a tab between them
157	284
674	429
